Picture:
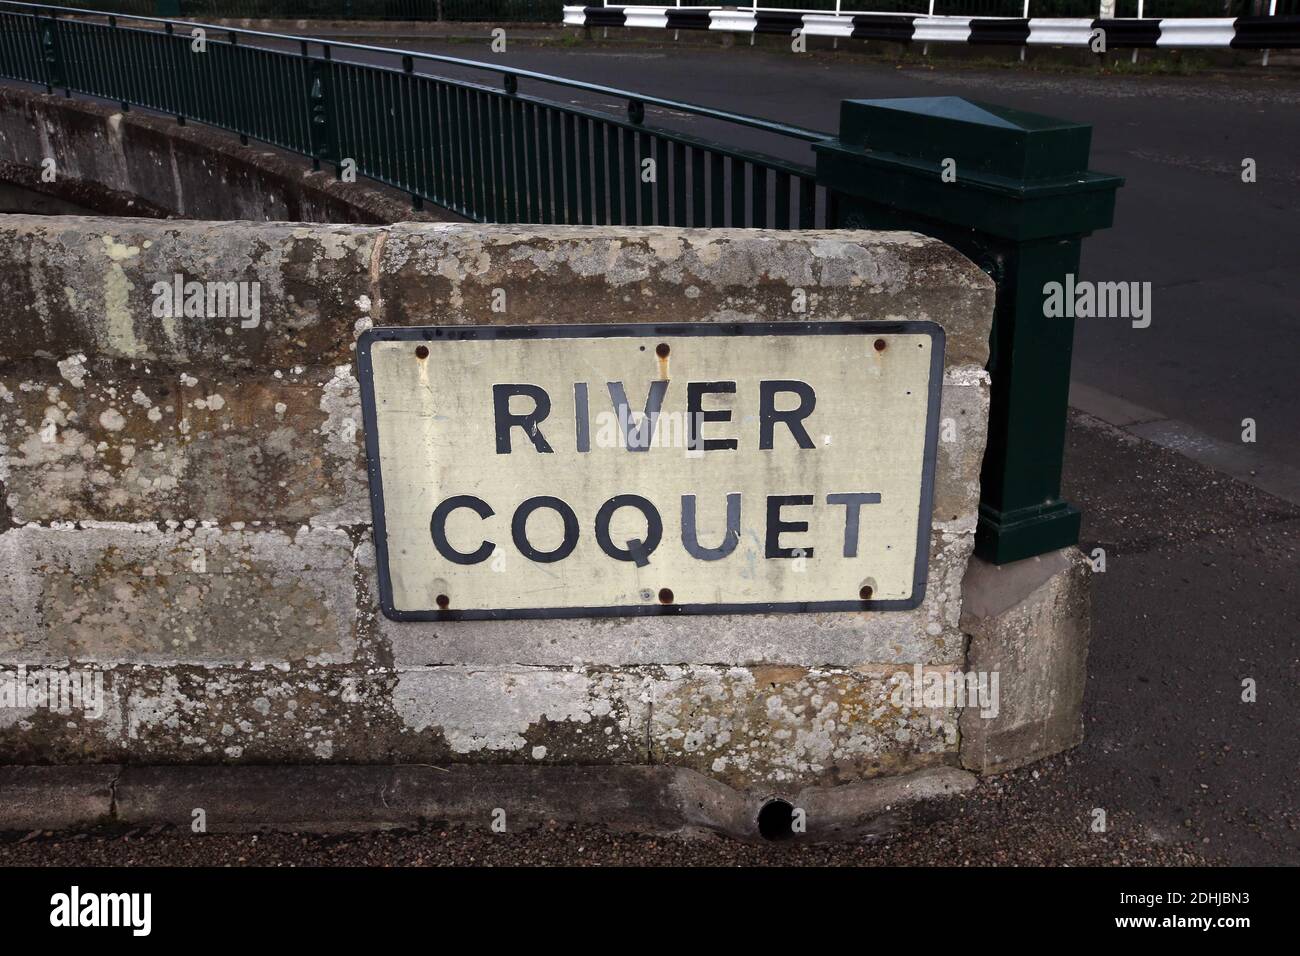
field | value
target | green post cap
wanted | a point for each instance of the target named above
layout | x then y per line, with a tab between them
1013	175
982	138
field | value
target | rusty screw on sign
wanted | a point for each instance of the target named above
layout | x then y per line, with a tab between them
866	592
662	351
881	345
443	601
422	351
665	596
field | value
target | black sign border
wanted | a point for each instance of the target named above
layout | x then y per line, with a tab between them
458	333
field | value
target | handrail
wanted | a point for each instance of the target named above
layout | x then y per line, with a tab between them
489	152
636	101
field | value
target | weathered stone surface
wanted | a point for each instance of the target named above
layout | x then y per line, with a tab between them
82	284
40	797
646	799
342	798
1029	622
742	725
929	634
209	714
874	808
443	274
963	429
135	593
780	725
85	286
130	441
111	442
776	726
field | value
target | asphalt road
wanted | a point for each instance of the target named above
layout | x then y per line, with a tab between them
1223	256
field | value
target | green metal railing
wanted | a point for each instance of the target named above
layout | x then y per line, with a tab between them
491	154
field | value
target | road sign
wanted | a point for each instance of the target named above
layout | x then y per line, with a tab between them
589	470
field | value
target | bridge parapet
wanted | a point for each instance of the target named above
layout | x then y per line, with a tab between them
187	510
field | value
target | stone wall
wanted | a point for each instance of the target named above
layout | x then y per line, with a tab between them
186	508
123	163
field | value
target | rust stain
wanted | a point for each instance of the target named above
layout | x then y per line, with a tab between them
662	351
778	674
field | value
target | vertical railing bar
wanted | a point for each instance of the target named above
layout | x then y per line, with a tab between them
378	125
402	126
456	119
428	137
781	199
678	153
392	150
485	157
520	119
362	149
807	203
442	155
616	175
262	111
482	187
357	146
717	190
571	206
407	109
662	216
544	120
504	163
442	173
553	150
630	172
738	204
600	206
583	158
414	140
495	103
697	187
759	195
531	160
510	195
468	201
646	205
483	167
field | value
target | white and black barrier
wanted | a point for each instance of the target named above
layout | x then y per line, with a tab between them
1241	33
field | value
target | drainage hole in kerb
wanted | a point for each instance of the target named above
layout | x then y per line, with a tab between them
776	820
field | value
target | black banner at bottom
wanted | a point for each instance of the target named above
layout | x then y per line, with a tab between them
337	905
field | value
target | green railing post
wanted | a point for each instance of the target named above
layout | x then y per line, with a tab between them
52	55
320	123
1012	191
